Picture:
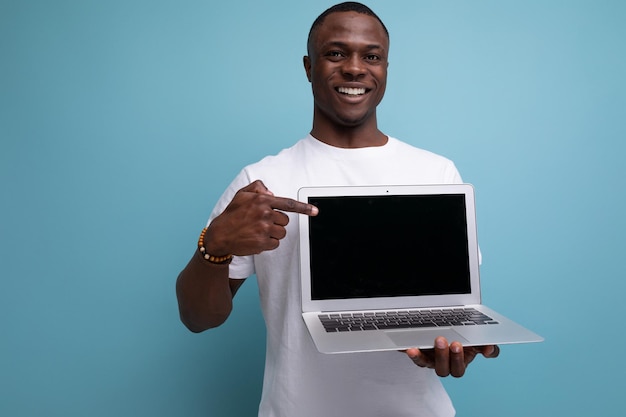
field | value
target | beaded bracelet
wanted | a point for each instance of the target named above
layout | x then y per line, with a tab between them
219	260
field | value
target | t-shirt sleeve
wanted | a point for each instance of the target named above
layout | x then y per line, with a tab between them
452	174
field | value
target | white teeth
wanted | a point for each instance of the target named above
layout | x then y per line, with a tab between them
351	91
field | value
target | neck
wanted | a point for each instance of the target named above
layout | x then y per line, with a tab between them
361	136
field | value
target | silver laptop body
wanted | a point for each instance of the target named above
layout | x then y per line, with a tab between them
393	267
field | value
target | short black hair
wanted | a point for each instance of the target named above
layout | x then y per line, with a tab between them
348	6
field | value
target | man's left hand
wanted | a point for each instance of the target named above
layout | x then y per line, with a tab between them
450	359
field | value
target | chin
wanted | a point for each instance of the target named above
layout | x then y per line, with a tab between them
345	118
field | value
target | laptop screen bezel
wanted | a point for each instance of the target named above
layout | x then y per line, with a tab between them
422	301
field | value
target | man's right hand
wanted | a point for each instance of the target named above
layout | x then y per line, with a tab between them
253	222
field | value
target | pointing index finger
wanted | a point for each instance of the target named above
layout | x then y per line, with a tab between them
294	206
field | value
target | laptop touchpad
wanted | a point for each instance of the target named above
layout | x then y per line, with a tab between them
423	338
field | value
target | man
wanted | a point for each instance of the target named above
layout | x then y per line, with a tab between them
256	221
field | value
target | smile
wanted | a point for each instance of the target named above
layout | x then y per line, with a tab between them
351	91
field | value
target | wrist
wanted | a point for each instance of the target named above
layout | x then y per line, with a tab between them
214	258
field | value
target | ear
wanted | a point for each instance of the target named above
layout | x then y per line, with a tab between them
307	66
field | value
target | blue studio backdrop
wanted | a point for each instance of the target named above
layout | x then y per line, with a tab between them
121	122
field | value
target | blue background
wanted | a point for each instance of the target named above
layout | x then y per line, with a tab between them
121	122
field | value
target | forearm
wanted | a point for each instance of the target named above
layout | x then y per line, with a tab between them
204	294
251	223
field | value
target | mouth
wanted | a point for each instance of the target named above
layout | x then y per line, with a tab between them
353	92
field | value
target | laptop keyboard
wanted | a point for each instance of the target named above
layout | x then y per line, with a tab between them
383	320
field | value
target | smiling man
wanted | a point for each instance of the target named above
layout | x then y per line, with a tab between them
253	230
347	67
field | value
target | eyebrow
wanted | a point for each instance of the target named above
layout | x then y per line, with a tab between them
344	45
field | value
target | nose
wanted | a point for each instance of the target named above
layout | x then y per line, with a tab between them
353	67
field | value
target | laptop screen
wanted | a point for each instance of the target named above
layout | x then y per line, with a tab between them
388	246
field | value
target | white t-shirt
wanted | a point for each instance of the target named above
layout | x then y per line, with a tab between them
299	381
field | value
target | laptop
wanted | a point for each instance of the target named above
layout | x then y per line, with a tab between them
393	267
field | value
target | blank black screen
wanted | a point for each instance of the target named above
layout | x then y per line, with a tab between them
386	246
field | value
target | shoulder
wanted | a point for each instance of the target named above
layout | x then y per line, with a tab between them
414	151
425	166
287	156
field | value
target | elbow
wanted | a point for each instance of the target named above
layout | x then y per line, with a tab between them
199	311
193	327
198	325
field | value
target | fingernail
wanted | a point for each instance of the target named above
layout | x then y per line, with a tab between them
440	343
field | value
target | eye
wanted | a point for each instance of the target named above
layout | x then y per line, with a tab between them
334	54
372	57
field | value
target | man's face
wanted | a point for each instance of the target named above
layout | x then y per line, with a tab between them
347	68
